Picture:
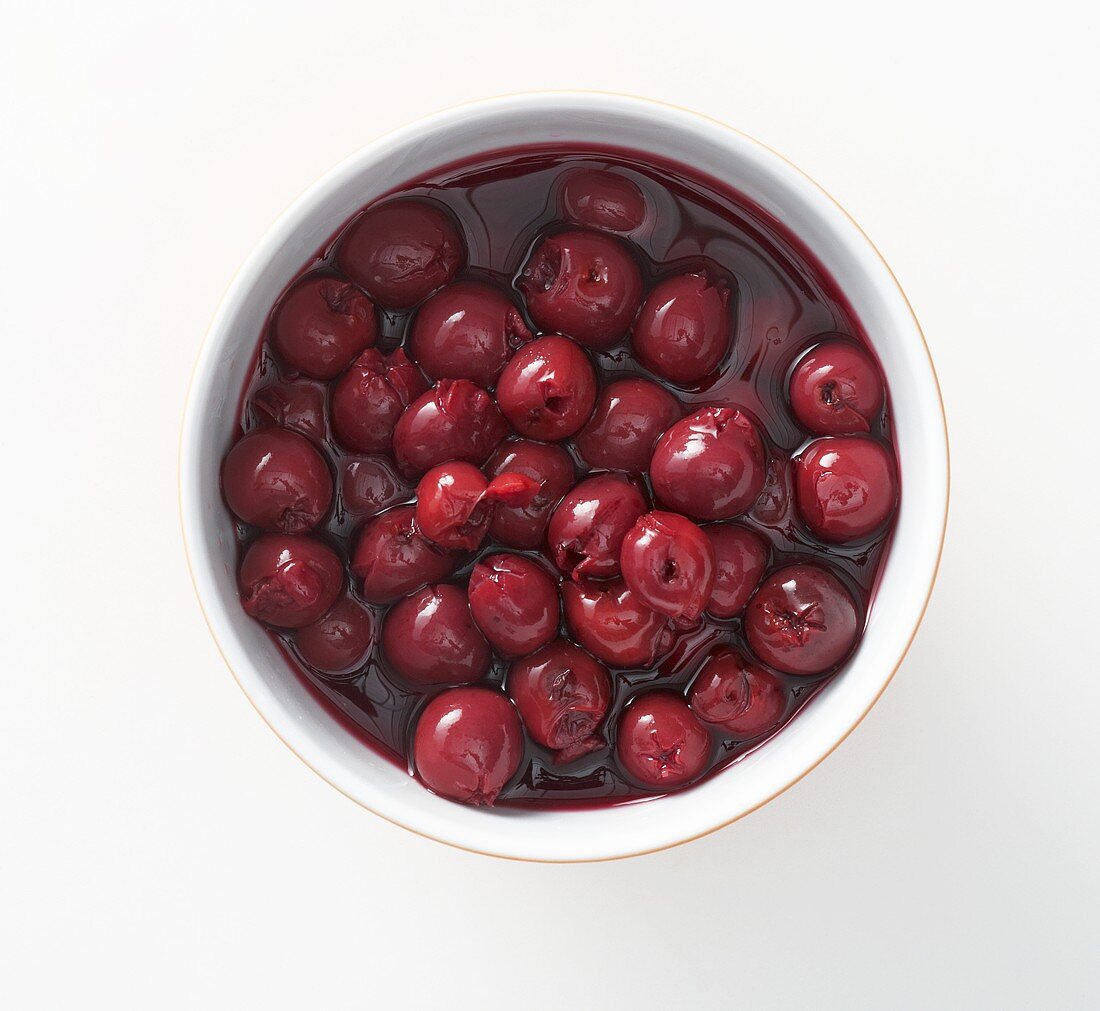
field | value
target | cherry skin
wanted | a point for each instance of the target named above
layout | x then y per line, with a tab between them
586	531
683	330
454	420
298	405
741	557
401	251
393	558
467	331
609	621
562	695
630	416
802	620
369	484
661	744
275	479
340	641
740	697
468	744
454	503
514	602
289	580
370	397
548	389
837	389
669	563
321	324
525	526
582	284
594	198
845	487
710	465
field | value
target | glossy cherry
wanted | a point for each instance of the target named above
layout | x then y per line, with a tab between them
430	638
740	557
276	479
837	389
660	743
608	620
587	529
370	397
392	557
525	526
846	487
468	744
710	465
370	484
582	284
630	416
737	695
295	404
455	502
340	641
289	580
802	620
596	198
401	251
548	389
669	564
514	602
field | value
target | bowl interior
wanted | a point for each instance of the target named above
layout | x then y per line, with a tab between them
793	200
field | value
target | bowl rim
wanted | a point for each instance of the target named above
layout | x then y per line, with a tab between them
190	416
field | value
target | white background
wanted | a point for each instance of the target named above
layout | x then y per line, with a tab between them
161	849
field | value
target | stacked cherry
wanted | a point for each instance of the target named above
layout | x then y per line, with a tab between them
478	408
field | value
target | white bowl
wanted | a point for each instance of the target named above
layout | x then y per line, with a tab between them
919	428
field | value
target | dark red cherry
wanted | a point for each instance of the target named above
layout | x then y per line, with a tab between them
802	620
430	638
599	199
370	484
669	563
525	526
393	558
468	744
562	695
277	480
587	529
454	503
740	560
660	742
741	697
548	388
837	389
321	324
515	603
370	397
582	284
340	641
289	580
710	465
297	404
467	331
845	487
630	416
609	621
454	420
401	251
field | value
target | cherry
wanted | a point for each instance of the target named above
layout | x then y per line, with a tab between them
370	397
401	251
468	744
369	484
393	558
802	620
454	420
548	388
710	465
669	564
582	284
562	695
741	557
299	405
609	621
525	526
683	330
837	389
737	695
277	480
515	603
598	199
845	487
630	416
289	580
321	324
454	503
430	638
466	331
340	641
660	742
587	529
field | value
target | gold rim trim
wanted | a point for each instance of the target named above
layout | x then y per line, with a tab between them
847	733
